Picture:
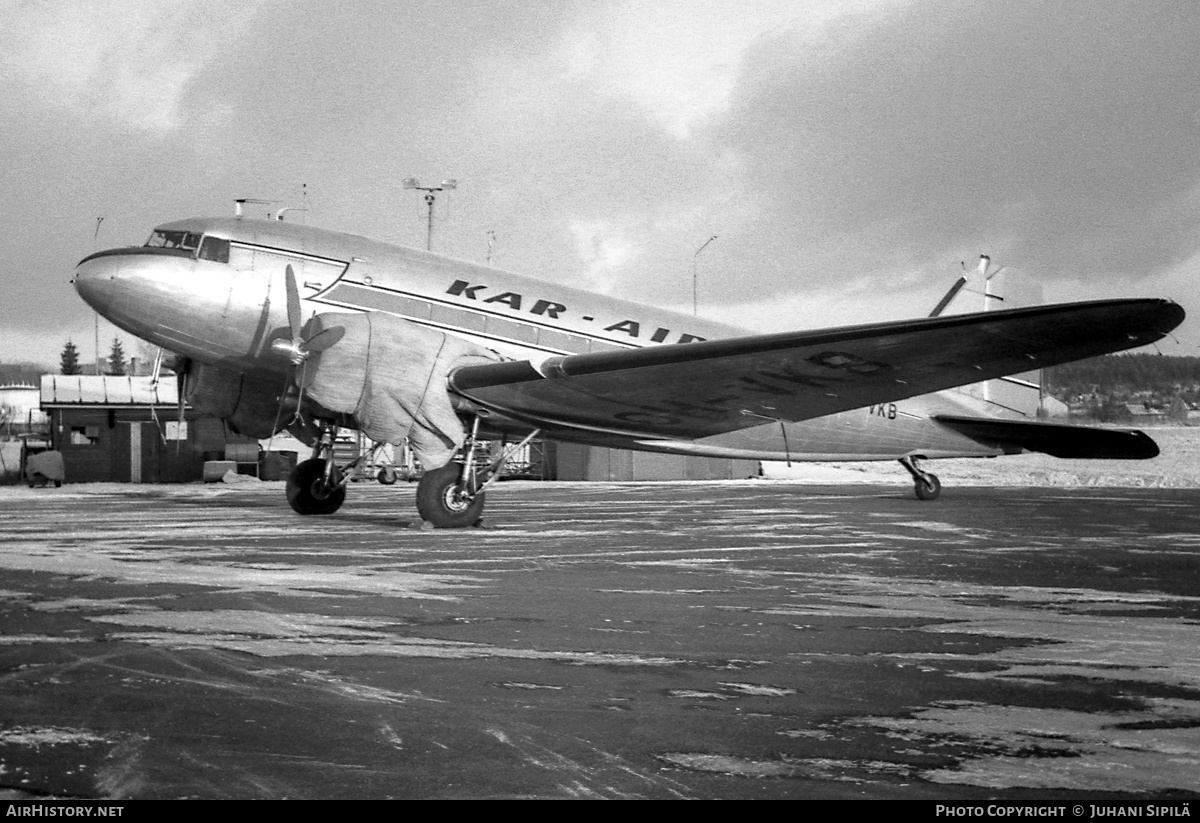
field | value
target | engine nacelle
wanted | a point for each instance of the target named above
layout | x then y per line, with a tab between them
250	406
390	374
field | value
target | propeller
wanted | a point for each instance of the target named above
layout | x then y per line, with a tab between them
300	348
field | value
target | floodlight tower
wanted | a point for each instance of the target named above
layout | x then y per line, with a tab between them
694	274
445	185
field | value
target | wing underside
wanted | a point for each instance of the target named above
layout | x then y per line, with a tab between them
700	389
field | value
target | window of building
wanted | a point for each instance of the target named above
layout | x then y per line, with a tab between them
85	435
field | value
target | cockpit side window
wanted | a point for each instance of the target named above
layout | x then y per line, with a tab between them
214	248
187	240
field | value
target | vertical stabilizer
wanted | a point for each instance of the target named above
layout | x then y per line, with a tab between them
988	287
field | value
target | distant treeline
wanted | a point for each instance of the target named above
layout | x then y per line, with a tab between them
1112	375
22	374
1124	374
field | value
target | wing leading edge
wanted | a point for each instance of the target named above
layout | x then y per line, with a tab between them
700	389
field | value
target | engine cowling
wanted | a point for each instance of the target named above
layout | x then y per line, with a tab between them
250	406
390	374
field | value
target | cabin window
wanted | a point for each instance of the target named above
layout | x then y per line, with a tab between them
160	239
215	249
518	332
464	320
601	345
561	341
416	309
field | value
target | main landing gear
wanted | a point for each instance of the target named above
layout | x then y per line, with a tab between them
450	497
317	486
925	484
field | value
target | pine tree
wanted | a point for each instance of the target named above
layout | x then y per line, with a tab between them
116	359
69	363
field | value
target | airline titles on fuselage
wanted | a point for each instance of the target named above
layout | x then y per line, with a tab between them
553	310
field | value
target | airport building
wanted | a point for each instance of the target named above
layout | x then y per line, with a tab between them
571	461
127	429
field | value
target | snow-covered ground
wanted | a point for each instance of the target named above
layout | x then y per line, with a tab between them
1178	466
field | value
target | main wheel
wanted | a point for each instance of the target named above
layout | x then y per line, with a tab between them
438	499
308	493
928	487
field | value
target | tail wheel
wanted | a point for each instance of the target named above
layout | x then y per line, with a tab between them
308	491
441	502
928	487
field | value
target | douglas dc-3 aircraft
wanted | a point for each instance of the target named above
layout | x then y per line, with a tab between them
277	325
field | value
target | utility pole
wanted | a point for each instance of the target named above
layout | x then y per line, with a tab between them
694	276
445	185
95	243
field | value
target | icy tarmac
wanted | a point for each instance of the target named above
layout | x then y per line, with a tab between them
726	640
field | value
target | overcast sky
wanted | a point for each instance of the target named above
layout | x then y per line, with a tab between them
846	154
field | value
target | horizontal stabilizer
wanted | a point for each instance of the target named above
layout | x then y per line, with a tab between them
1055	439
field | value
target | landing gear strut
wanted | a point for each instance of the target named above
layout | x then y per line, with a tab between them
445	501
316	486
310	489
925	484
452	497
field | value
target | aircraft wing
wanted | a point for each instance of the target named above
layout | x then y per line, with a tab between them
698	389
1055	439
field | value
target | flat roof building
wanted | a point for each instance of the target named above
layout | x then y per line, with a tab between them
128	429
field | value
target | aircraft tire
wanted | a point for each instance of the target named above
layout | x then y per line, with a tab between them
437	500
386	476
928	487
306	491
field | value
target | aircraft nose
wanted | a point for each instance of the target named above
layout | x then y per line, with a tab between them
134	288
198	308
95	279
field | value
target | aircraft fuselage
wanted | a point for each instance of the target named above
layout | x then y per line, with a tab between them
213	290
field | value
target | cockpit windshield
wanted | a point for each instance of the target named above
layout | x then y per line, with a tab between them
186	240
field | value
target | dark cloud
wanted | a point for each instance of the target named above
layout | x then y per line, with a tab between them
1067	132
1060	137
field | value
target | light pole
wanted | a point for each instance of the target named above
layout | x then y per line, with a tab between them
445	185
95	240
694	256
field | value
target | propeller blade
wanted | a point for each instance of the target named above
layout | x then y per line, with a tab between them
324	339
293	304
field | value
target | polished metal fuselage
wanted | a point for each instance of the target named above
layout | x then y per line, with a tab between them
226	313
